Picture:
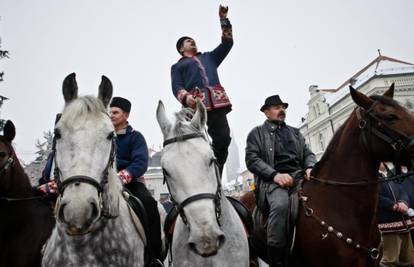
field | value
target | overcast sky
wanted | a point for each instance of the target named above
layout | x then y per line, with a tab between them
281	47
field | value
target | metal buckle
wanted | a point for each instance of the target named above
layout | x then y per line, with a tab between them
374	253
397	146
309	212
362	124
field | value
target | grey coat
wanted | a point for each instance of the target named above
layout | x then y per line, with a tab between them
260	154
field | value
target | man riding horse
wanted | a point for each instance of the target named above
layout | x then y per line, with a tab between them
277	155
195	76
132	163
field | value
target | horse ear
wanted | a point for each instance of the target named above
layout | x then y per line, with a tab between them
9	131
360	99
105	91
163	120
199	119
390	92
70	88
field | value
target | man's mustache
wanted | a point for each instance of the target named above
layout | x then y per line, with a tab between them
282	113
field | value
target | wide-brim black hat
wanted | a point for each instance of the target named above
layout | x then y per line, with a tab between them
121	103
273	100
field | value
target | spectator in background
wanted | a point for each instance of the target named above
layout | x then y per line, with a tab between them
394	224
408	185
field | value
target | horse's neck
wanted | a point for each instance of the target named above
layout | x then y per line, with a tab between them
351	161
20	184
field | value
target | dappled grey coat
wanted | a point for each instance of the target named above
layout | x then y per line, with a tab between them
260	154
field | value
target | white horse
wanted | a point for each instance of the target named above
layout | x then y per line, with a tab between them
208	232
94	226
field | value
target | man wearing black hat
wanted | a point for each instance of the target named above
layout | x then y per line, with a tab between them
195	76
132	163
278	157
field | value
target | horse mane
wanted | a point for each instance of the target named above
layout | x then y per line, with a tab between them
81	108
183	122
330	149
386	101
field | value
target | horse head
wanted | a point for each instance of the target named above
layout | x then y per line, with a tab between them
7	155
387	127
84	159
192	177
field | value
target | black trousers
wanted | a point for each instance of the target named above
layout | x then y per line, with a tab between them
219	131
139	190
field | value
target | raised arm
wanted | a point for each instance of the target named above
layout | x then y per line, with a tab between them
221	51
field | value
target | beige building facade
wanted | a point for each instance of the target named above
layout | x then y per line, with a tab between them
329	108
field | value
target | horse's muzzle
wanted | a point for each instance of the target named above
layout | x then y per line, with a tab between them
206	246
77	217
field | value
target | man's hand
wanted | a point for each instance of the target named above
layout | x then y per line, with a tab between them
308	174
190	101
400	207
283	179
223	10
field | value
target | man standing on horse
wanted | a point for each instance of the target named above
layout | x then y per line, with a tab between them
132	163
195	76
277	155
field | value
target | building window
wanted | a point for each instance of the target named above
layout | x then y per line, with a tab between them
321	142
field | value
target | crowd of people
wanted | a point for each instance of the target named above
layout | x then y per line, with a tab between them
276	154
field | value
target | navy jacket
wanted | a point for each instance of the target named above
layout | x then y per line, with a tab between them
131	154
388	219
198	75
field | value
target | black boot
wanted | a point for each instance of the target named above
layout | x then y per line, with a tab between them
276	256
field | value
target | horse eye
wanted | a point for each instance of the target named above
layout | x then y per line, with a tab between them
3	154
110	136
391	117
57	133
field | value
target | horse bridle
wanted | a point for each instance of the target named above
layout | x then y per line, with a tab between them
371	123
78	179
6	164
215	197
368	122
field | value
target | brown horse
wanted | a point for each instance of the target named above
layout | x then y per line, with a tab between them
336	224
26	221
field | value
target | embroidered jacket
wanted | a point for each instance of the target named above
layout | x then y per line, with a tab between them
198	75
131	155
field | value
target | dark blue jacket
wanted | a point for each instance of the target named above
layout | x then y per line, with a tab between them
132	153
388	219
200	72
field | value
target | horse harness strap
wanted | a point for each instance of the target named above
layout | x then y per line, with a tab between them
215	197
4	168
6	164
372	252
363	182
183	138
381	129
78	179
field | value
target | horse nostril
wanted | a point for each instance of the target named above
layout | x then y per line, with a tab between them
61	215
221	240
95	211
192	246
